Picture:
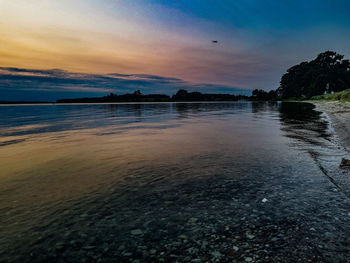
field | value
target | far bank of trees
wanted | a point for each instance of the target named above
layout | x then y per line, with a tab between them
184	95
181	96
259	94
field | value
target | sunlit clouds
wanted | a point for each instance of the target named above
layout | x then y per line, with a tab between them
48	85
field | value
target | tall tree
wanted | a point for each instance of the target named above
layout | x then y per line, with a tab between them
328	72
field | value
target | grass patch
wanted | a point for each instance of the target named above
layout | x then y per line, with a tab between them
343	96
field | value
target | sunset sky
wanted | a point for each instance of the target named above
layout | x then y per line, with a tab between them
53	49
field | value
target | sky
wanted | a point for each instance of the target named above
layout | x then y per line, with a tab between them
73	48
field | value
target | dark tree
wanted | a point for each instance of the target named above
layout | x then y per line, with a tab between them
329	72
263	95
181	94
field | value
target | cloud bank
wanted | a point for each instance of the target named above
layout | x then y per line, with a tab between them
49	85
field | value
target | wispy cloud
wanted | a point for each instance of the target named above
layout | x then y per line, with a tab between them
257	40
27	84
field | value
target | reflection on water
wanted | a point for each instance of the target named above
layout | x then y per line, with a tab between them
311	133
299	120
22	120
169	182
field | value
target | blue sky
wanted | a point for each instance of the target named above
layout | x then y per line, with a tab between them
257	42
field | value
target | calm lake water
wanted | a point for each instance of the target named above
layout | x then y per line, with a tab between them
172	182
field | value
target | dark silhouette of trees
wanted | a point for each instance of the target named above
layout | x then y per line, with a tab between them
180	95
329	72
183	95
263	95
137	96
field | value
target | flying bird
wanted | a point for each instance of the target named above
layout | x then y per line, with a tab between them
214	41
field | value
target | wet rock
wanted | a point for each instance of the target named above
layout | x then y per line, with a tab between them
192	250
249	236
193	220
204	244
142	247
248	259
136	232
216	254
59	245
235	248
345	164
89	247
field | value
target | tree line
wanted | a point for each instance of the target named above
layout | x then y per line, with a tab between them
329	72
181	96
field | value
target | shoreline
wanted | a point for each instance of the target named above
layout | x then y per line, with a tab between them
339	114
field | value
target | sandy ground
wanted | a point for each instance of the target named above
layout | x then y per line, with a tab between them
339	112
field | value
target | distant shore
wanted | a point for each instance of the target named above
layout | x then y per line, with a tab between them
339	113
108	103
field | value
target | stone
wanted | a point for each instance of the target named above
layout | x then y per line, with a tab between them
193	220
235	248
248	259
249	236
136	232
345	164
183	237
204	244
216	254
89	247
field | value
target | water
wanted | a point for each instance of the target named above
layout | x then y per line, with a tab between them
172	182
